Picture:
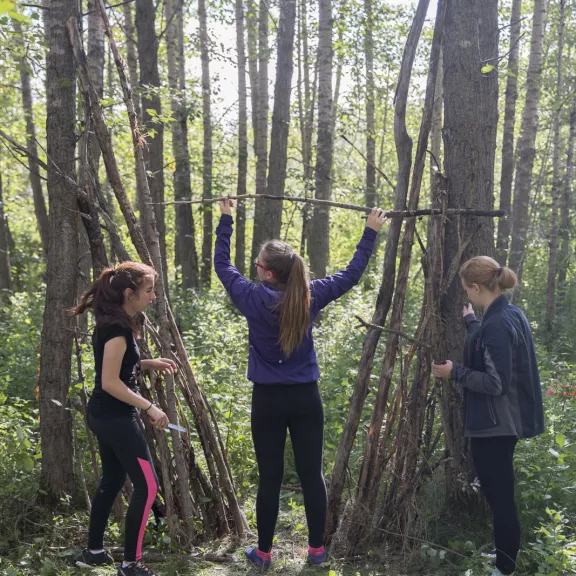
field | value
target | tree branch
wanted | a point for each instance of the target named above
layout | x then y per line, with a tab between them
392	331
354	207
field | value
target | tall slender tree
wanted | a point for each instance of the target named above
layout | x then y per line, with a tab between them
185	244
557	188
28	105
370	104
507	172
240	254
151	113
5	274
319	233
261	139
526	146
57	475
206	266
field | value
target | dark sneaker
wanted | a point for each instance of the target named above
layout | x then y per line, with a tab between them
137	569
258	559
88	560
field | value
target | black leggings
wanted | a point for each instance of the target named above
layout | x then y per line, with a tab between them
275	409
123	449
493	459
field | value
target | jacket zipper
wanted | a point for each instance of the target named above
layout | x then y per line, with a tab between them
491	409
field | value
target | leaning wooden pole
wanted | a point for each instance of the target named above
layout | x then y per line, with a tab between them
149	252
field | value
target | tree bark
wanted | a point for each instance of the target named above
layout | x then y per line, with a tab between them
370	102
35	180
5	274
185	246
470	126
132	62
151	112
240	254
261	138
280	118
319	249
526	146
556	178
507	172
564	233
57	475
436	131
404	154
206	266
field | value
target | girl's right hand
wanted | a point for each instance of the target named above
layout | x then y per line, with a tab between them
375	219
157	417
226	206
467	310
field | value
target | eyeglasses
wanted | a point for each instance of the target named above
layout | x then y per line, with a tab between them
257	262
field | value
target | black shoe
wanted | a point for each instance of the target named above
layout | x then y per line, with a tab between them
137	569
88	560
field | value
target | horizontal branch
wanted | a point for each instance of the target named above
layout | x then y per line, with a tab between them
346	206
392	331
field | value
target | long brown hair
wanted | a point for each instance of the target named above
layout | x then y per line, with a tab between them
290	272
106	296
486	272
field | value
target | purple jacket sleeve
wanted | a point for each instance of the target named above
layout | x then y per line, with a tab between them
235	284
328	289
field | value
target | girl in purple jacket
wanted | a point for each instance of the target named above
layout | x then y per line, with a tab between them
282	366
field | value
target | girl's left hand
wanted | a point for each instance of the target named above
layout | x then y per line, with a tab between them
443	371
226	206
161	365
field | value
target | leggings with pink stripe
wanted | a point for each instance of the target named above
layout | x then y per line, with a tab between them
123	450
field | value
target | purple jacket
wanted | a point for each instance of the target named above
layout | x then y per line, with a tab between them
267	363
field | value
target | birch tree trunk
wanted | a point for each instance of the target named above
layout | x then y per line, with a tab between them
507	172
370	102
526	146
556	177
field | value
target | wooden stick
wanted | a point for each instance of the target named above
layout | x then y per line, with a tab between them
392	331
354	207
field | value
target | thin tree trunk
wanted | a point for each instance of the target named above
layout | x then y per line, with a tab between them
206	266
319	249
370	102
5	274
564	252
404	153
35	180
507	172
436	132
151	112
185	245
240	254
57	476
261	139
132	62
526	146
280	117
556	177
470	124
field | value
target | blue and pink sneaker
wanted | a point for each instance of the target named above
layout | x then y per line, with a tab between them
317	556
257	558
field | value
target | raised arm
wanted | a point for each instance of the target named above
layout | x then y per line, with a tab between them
235	284
328	289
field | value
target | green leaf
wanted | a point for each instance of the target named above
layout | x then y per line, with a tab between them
487	69
7	6
560	440
166	539
19	17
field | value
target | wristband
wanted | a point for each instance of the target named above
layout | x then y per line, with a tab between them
149	407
